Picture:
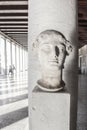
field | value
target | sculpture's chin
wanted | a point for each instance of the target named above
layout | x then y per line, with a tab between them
48	87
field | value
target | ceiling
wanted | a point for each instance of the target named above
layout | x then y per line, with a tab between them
14	20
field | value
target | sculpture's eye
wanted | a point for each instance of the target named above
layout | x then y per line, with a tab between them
62	50
57	50
45	48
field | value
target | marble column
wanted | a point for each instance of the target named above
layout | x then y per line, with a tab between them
60	15
5	58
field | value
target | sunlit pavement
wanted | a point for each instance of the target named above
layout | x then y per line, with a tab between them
14	102
82	103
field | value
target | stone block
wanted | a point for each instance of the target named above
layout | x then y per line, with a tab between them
50	111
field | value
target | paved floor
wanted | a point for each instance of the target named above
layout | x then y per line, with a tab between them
82	103
14	103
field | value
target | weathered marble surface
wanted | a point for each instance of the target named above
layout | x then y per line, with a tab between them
50	111
52	49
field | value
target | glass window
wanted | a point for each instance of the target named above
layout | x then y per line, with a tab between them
26	60
13	54
8	50
2	55
17	57
21	59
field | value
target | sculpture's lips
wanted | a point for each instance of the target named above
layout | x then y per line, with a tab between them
53	62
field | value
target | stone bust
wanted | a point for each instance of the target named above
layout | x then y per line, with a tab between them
52	49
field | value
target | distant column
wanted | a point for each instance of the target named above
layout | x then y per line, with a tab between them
16	58
11	51
5	58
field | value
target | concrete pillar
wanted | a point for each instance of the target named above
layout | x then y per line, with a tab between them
60	15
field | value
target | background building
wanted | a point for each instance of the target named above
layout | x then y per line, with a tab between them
83	59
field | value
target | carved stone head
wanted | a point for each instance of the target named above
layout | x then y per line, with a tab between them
52	48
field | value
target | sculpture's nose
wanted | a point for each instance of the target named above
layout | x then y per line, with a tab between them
54	52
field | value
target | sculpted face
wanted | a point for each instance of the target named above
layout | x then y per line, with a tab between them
52	53
52	49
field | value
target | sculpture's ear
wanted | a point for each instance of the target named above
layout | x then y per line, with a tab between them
69	47
35	47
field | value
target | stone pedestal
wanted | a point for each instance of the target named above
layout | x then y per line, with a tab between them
50	111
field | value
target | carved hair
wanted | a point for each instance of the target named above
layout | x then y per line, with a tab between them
53	34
